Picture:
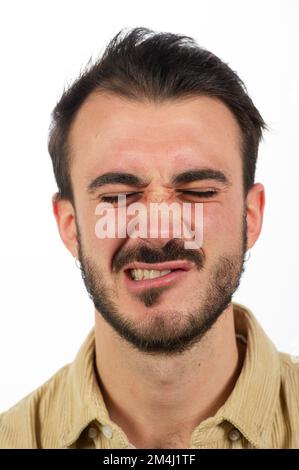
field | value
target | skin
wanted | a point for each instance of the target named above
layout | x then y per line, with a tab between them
151	395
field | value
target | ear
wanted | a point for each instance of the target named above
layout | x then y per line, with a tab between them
254	211
65	218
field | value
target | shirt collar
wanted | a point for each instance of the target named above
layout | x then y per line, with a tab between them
84	401
256	390
251	405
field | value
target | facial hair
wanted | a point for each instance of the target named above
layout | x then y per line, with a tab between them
164	333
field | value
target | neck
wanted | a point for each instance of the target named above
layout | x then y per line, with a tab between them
152	397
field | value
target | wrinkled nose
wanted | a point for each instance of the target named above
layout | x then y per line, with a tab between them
159	195
163	217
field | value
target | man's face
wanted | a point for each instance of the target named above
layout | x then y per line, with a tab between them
156	143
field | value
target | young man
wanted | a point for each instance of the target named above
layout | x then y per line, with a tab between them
171	362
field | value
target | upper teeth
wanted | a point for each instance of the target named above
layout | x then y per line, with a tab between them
140	274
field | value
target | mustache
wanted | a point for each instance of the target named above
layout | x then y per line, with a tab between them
173	250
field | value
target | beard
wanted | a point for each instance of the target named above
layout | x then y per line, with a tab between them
167	332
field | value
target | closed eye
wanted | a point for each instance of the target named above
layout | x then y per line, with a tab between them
201	194
114	198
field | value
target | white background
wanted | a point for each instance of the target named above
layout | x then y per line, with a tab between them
45	312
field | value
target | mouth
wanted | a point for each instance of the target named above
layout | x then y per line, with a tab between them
140	276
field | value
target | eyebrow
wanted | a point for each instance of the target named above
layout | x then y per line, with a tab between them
201	174
115	178
129	179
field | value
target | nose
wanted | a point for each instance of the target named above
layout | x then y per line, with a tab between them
162	216
159	195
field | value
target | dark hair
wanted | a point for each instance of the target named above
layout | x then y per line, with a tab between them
145	65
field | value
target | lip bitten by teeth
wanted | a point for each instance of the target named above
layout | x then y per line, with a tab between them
141	274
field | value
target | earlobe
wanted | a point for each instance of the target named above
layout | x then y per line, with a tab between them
65	218
255	203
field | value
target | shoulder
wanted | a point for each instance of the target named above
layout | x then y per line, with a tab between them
289	370
23	425
286	416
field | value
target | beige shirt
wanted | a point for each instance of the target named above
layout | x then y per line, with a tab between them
68	411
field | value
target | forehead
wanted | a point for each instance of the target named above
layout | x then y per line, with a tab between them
113	133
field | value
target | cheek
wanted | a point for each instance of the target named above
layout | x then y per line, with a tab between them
101	250
221	225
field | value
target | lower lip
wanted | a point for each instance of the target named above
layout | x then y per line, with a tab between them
166	280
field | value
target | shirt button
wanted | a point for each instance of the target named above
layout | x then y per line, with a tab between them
107	431
234	434
92	432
